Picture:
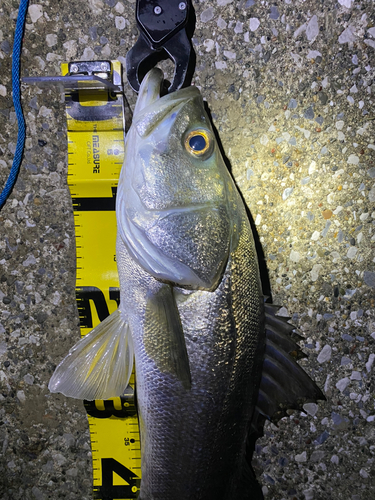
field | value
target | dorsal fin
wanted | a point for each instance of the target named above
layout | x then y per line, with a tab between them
284	384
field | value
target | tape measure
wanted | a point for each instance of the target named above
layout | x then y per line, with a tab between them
95	121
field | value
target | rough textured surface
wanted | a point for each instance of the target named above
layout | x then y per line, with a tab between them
291	89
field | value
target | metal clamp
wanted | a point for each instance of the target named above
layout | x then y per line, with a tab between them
165	30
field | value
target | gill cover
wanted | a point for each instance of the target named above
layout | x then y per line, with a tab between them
174	196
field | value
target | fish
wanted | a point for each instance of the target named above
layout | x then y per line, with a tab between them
213	359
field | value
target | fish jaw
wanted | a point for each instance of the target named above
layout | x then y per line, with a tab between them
174	210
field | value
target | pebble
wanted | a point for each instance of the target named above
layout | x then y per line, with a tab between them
56	298
106	51
21	396
207	15
363	473
88	54
302	457
325	354
353	159
283	311
313	54
119	8
229	54
254	23
209	44
51	39
71	48
287	192
3	90
274	14
29	379
317	455
305	180
352	252
40	63
309	494
96	6
346	336
370	362
369	42
345	361
312	29
294	256
69	440
299	30
221	23
239	27
355	376
35	12
310	408
264	139
120	22
31	260
221	65
369	278
342	384
315	271
309	113
59	458
338	420
326	228
44	111
322	438
348	35
327	214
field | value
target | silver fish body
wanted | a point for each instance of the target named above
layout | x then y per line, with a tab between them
193	434
213	361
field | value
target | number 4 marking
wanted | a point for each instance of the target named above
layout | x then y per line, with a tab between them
109	491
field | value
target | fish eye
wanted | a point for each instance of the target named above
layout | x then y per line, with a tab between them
199	142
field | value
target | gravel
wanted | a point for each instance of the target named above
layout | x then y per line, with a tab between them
283	80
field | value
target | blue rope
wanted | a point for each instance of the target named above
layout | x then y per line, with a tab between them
16	56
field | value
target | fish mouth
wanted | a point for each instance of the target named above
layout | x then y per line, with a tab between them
149	91
151	109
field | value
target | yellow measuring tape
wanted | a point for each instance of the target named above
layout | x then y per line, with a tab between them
95	123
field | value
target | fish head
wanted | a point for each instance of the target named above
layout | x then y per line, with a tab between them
175	193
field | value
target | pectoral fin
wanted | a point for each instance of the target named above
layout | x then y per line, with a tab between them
164	337
99	365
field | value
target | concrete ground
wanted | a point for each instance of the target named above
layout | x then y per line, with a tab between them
291	88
